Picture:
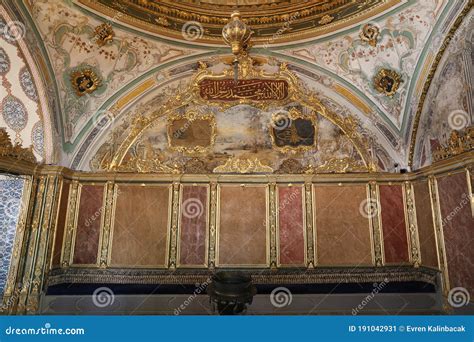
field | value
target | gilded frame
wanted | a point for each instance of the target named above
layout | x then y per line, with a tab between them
294	114
192	116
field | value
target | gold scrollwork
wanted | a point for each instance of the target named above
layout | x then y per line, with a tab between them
458	143
243	165
103	34
186	129
370	34
338	165
284	133
7	149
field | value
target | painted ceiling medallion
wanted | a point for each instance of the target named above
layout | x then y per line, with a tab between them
103	34
370	34
85	81
14	113
27	84
387	82
4	62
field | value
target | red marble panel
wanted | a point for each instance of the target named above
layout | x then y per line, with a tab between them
89	220
342	227
458	228
426	230
141	225
243	226
291	225
393	224
193	225
60	224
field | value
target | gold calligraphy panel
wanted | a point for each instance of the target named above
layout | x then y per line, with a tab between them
229	90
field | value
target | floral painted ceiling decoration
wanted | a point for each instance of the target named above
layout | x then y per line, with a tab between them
374	61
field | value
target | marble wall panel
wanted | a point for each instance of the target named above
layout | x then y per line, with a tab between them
426	230
342	228
193	225
291	225
141	226
394	229
458	228
86	245
242	232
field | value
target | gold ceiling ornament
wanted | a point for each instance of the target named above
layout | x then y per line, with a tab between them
370	34
387	82
103	34
7	149
237	34
458	143
326	19
338	165
243	166
255	87
85	81
284	132
191	117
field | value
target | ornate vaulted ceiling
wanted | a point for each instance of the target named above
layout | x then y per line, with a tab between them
155	48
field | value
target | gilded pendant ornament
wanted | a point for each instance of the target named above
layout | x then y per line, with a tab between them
85	81
387	82
242	166
103	34
370	34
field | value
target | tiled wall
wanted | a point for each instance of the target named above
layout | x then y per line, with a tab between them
11	189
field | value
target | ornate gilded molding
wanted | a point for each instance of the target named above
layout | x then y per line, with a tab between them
106	231
7	149
412	225
273	225
212	225
459	142
429	78
438	223
338	165
310	247
73	200
249	75
173	250
373	208
241	165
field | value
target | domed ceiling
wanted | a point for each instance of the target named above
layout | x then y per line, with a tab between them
103	68
204	19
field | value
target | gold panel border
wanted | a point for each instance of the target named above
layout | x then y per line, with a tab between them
411	224
375	223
